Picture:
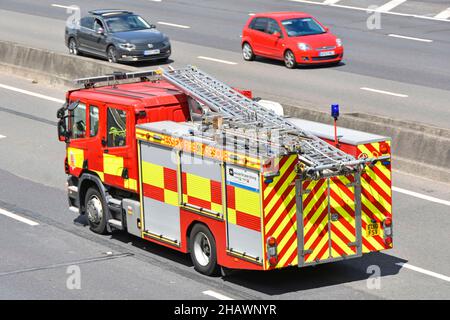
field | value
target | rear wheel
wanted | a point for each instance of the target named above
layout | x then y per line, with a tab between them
95	211
111	53
247	52
73	46
289	60
203	250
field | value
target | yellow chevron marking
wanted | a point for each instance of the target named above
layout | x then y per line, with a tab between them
371	207
386	205
314	199
379	182
323	224
344	247
316	215
280	209
285	222
286	238
386	172
281	190
350	236
276	179
316	251
287	254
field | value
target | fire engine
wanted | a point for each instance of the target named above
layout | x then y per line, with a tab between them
181	159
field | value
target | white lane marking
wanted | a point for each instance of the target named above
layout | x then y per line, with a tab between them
173	25
64	7
424	271
251	14
33	94
371	10
409	38
421	196
216	295
385	92
331	1
443	15
216	60
18	218
390	5
2	136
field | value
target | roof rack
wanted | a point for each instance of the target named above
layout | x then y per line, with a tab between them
105	12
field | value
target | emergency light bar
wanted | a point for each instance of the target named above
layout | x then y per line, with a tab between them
116	76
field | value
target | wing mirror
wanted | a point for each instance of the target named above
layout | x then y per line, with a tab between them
63	132
152	26
277	34
326	29
101	31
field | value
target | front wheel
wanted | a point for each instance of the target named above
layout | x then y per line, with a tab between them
95	211
247	52
203	250
289	60
112	54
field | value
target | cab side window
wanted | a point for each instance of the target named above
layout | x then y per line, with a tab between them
77	122
87	22
273	27
117	127
97	25
93	121
259	24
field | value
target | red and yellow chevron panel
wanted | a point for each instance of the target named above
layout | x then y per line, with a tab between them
315	221
244	208
159	183
202	192
376	197
280	208
342	216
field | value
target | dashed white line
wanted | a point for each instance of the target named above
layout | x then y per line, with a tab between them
18	218
421	196
2	136
385	92
424	271
64	7
173	25
33	94
409	38
390	5
443	15
216	295
216	60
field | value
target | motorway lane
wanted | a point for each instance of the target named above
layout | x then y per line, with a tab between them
373	60
421	236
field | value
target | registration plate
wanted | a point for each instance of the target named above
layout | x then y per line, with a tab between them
372	229
326	53
150	52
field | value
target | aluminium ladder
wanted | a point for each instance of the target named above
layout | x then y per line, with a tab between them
318	156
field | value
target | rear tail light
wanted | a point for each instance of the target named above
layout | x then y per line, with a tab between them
272	251
387	222
387	228
388	241
384	148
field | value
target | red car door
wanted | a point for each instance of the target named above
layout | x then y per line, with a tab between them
257	34
273	41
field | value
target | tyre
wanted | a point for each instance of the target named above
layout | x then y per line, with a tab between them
289	60
247	52
111	53
202	247
73	47
95	211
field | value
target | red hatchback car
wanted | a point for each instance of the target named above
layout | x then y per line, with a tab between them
294	37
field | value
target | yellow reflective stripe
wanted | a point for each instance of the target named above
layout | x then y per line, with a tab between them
280	191
152	174
374	193
288	253
319	247
316	215
231	216
341	244
100	174
280	210
346	215
112	165
247	201
198	187
284	222
216	207
372	208
323	224
130	184
379	182
350	236
171	197
315	198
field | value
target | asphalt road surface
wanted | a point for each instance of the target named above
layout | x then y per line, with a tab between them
412	70
41	240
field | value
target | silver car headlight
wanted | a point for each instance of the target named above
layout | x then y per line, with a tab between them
303	46
127	46
339	42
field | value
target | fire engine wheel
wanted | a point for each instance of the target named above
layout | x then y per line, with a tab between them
112	54
95	212
289	60
203	250
247	52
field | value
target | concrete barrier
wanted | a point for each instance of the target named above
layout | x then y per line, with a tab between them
49	66
418	149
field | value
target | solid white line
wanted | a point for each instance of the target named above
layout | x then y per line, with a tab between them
424	271
33	94
216	60
18	218
370	10
216	295
409	38
390	5
443	15
385	92
331	1
173	25
64	7
421	196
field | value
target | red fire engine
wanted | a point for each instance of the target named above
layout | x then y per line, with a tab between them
181	159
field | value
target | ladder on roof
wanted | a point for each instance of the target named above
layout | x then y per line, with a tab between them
318	156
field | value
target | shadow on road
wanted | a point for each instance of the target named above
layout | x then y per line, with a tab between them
301	67
283	281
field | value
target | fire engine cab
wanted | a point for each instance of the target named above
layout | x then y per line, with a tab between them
179	158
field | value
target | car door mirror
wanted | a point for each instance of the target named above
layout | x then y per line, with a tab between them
63	134
152	26
326	29
101	31
277	34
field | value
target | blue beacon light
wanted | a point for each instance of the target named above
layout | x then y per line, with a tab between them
335	111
